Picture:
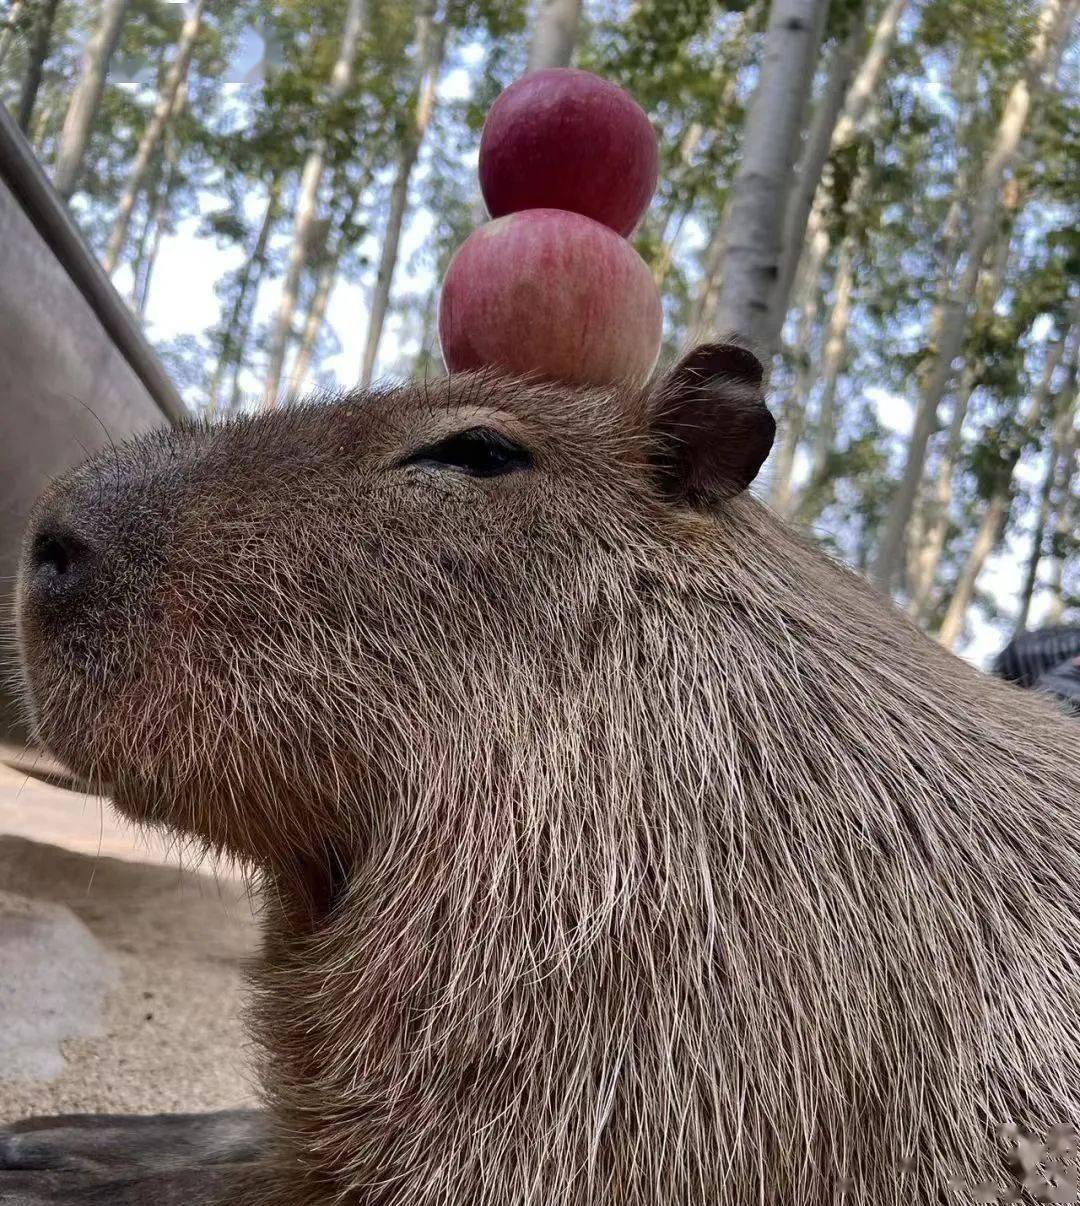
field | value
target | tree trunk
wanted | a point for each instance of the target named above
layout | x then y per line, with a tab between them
991	529
753	227
324	286
155	190
934	527
171	91
732	56
431	40
924	530
1031	571
159	219
320	299
927	557
834	127
670	232
805	372
307	212
555	33
75	136
814	157
427	362
40	46
948	250
39	134
244	310
162	180
832	364
996	512
865	85
1059	440
307	205
801	275
7	32
953	321
703	325
732	59
671	223
230	348
1064	525
792	427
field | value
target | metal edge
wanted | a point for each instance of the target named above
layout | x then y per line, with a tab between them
23	175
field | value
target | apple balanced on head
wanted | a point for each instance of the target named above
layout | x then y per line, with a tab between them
551	287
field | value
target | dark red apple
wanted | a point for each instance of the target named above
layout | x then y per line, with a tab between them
566	139
551	293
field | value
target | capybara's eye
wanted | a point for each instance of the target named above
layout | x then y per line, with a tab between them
479	452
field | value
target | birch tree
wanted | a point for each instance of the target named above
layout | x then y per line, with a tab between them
40	46
806	240
156	225
934	517
313	324
233	337
832	363
86	98
555	33
307	206
951	323
842	111
752	231
704	325
9	27
671	222
926	558
792	427
431	44
677	211
158	217
1063	538
809	370
815	155
152	212
42	124
1058	454
326	277
172	89
995	510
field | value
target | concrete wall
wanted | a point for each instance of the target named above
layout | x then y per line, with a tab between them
65	386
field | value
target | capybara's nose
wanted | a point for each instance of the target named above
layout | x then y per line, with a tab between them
94	549
62	562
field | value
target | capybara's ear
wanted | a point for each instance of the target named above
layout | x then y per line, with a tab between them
713	430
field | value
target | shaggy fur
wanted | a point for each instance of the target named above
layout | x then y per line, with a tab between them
617	849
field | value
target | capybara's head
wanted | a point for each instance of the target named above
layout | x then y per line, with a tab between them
249	632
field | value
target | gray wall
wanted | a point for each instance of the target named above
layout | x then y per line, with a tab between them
56	360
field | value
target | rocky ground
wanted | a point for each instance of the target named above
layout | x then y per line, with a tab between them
121	973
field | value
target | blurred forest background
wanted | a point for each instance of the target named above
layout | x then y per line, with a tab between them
277	188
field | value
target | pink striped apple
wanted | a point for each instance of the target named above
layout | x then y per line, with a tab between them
552	294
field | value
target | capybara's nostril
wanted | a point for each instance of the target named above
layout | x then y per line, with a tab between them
60	560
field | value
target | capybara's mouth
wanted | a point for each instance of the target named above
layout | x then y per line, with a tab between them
47	708
69	720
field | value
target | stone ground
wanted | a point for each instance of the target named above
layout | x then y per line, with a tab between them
121	973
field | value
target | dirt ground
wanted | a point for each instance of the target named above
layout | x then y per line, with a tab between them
121	973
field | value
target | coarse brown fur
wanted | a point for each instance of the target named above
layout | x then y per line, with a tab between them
618	848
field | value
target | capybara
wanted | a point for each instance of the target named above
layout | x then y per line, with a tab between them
616	847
